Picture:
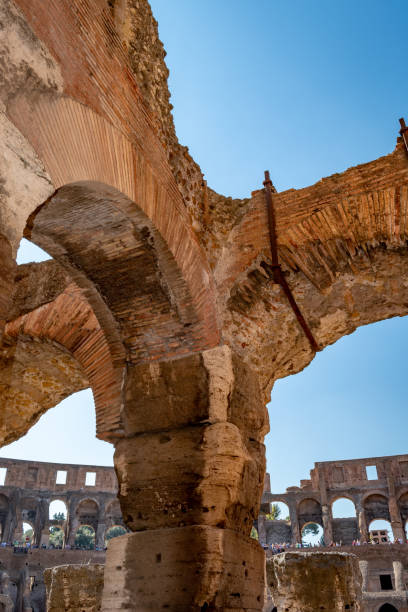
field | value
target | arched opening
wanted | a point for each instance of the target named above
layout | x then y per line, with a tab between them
277	525
114	532
380	532
28	252
279	511
56	537
344	523
58	510
24	535
85	537
87	513
343	508
387	608
312	534
310	511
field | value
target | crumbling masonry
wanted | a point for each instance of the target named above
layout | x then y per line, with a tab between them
162	296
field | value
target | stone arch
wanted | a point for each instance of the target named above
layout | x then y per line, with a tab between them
340	248
113	514
87	512
96	152
348	499
60	500
387	607
376	507
126	272
309	510
318	537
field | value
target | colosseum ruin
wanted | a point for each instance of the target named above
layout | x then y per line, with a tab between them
179	307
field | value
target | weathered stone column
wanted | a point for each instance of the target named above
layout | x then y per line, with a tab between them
294	523
362	523
191	473
396	522
327	524
398	576
74	524
100	535
364	573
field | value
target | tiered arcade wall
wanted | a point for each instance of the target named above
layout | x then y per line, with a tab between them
30	487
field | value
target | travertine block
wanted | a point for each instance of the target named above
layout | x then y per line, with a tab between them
186	569
307	582
197	475
211	386
74	588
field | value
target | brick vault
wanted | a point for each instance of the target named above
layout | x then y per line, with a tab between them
178	306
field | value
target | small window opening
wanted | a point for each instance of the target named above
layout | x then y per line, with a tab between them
3	472
386	582
61	477
90	479
371	471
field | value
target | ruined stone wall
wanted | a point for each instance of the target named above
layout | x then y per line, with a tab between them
74	588
384	497
345	530
307	582
25	572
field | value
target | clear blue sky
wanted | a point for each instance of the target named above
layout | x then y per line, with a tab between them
305	89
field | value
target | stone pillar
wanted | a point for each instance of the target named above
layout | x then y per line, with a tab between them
326	510
294	523
362	523
191	472
396	523
395	516
327	524
74	524
45	537
398	576
364	573
100	535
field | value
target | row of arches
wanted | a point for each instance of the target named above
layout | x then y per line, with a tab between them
34	520
85	536
341	519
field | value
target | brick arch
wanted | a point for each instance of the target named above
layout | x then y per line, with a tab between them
69	323
77	145
376	508
309	511
343	247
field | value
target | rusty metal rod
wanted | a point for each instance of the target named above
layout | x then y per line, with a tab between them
278	275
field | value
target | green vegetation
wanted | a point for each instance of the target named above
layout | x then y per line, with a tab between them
114	532
254	534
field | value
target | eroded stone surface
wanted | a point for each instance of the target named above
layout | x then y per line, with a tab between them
189	569
74	588
308	582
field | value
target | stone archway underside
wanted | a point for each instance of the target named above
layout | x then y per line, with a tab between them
161	296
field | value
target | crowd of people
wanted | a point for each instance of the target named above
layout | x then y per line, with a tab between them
275	549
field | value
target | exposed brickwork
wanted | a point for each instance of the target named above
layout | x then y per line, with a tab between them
167	280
